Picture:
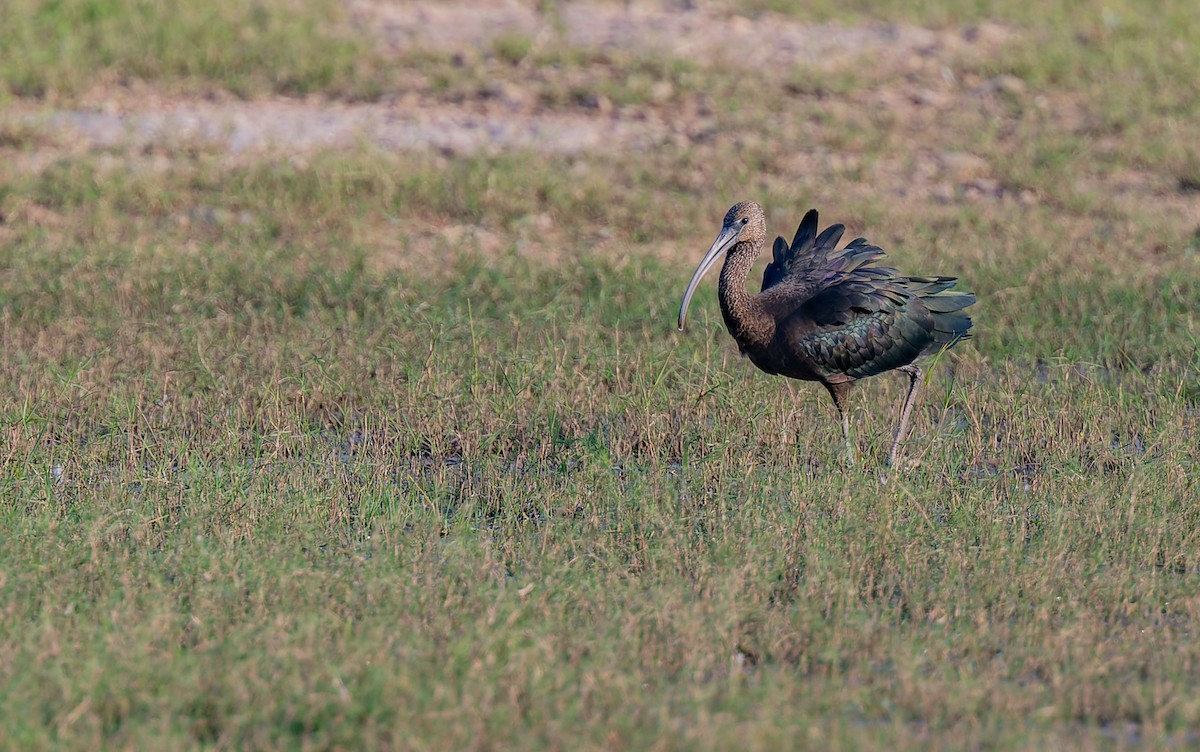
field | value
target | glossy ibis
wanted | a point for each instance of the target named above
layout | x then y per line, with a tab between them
829	314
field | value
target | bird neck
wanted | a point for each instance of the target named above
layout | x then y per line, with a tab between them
747	322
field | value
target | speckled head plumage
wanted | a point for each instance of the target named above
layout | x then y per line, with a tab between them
745	228
750	217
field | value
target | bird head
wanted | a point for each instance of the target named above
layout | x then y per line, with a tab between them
745	226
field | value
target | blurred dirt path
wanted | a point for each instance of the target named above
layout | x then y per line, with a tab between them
145	120
297	125
680	29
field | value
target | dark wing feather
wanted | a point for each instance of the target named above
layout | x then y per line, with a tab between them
810	264
860	331
811	256
830	237
785	256
876	320
857	318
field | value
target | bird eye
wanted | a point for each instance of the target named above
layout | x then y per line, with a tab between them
745	220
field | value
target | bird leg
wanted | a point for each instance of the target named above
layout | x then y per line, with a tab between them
840	392
846	435
914	386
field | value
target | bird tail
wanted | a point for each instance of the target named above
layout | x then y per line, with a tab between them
950	321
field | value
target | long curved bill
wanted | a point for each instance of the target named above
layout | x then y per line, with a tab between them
729	235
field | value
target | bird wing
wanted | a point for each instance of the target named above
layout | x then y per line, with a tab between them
812	263
860	329
851	316
875	321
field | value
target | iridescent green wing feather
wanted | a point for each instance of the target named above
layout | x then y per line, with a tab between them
876	321
867	318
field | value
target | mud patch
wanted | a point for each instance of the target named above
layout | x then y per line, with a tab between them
686	31
503	115
263	126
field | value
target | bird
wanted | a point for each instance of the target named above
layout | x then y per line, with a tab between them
828	314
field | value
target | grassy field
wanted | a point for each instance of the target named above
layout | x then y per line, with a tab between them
377	450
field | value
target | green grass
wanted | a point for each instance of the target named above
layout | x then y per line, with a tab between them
63	47
403	451
512	496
